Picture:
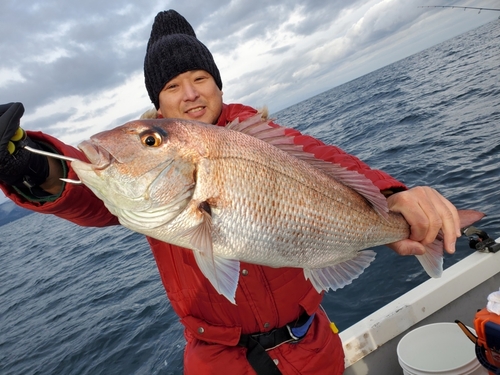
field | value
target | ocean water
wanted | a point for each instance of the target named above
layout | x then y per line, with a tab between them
89	301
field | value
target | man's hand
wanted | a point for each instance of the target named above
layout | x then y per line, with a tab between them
427	212
10	114
18	166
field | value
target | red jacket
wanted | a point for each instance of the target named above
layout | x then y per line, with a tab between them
266	297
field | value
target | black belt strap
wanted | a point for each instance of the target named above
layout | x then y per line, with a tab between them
258	357
257	344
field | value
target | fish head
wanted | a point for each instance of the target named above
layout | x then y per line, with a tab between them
143	171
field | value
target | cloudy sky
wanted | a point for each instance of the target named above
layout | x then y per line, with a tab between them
77	65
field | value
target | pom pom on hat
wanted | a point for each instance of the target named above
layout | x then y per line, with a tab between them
174	49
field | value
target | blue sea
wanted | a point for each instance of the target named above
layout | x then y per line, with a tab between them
89	301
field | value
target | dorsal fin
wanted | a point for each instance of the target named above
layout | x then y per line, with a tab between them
276	135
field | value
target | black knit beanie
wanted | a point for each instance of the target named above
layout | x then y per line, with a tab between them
174	49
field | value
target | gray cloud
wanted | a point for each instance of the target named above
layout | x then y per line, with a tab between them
60	49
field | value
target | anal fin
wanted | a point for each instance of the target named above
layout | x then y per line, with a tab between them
341	274
432	259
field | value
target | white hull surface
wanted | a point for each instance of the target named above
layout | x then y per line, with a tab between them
370	344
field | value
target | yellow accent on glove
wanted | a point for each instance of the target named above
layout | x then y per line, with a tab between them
19	134
11	148
334	327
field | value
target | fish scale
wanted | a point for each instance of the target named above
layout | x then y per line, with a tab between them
281	221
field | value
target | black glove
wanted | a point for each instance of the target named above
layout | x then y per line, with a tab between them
18	166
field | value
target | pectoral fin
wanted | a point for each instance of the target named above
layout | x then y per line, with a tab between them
222	273
341	274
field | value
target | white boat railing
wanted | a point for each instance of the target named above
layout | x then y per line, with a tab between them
383	325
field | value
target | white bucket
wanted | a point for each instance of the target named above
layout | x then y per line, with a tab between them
440	348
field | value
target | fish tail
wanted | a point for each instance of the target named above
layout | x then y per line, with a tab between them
469	217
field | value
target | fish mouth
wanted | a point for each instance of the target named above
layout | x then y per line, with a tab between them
99	157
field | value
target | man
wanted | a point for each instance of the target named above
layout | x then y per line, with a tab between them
277	325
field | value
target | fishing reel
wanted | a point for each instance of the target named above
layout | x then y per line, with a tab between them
480	241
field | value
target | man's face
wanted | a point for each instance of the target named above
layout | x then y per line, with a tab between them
192	95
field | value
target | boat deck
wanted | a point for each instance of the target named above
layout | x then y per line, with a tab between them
370	345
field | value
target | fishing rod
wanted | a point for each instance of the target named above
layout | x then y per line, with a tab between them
459	7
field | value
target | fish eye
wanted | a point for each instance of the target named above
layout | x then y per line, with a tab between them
151	139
